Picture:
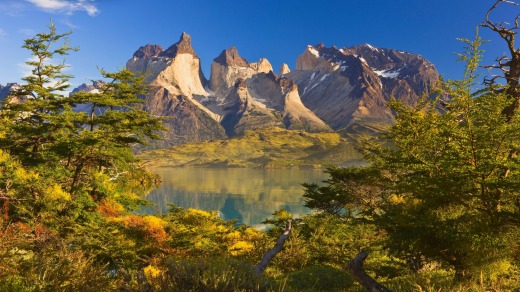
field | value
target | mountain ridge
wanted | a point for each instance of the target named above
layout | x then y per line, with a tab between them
330	89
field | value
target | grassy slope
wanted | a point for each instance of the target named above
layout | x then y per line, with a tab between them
273	147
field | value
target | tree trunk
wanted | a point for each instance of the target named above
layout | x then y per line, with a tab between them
355	266
260	268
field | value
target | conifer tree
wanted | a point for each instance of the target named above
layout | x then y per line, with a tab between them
88	154
444	184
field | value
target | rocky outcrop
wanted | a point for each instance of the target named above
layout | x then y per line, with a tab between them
184	120
177	84
95	87
243	112
148	51
281	95
284	69
331	89
264	98
10	89
351	86
177	68
183	46
228	67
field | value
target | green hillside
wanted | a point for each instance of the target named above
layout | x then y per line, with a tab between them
269	148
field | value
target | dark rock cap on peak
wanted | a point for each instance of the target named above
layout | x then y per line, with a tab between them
231	57
319	46
183	46
240	83
148	51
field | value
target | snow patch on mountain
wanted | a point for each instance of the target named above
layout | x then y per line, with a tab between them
314	51
311	85
371	47
387	73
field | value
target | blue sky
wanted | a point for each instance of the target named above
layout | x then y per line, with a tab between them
109	31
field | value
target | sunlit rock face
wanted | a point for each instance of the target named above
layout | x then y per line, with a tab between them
176	83
229	66
281	94
271	100
243	112
284	69
351	86
330	89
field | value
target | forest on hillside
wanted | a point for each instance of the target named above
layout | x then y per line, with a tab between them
436	207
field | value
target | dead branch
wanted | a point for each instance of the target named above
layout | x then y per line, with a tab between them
509	65
355	266
269	255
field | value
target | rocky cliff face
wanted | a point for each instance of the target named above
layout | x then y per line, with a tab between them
177	83
284	69
184	120
10	88
281	95
271	101
351	86
331	89
228	67
243	112
95	87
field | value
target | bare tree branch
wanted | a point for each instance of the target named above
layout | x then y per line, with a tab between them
509	65
355	266
269	255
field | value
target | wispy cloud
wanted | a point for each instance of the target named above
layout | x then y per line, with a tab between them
12	8
3	34
67	6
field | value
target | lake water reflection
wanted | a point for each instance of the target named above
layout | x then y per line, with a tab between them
248	195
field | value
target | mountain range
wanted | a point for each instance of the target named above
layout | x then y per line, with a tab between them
331	89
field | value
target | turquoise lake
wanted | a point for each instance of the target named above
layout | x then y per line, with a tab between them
247	195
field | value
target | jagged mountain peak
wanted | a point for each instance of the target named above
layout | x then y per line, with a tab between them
332	87
230	57
319	46
95	87
148	51
353	84
284	69
263	65
10	88
183	46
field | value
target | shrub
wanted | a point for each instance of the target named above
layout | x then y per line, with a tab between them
320	278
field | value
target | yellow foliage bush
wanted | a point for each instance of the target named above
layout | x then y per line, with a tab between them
25	175
240	247
55	192
151	226
196	212
202	243
110	208
152	272
232	235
